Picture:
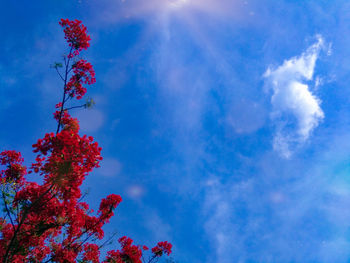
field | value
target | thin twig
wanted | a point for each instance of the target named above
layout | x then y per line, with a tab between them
76	107
108	240
66	63
7	210
59	74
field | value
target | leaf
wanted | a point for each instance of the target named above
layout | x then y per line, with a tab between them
56	65
89	103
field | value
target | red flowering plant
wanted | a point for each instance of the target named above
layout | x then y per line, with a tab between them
47	221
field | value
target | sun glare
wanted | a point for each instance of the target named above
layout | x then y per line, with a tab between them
145	8
176	4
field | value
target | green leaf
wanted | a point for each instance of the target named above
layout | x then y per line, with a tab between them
56	65
89	103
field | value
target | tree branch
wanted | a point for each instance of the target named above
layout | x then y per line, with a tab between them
26	212
76	107
66	63
59	74
7	210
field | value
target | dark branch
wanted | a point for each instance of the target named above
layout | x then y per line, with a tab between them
59	74
8	210
76	107
66	63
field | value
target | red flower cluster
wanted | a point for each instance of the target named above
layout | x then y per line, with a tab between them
107	206
161	248
83	74
91	253
75	34
65	159
66	121
14	171
48	222
128	253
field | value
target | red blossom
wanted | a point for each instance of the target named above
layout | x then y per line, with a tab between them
58	105
83	73
75	34
67	121
162	247
107	206
91	253
128	252
65	159
14	171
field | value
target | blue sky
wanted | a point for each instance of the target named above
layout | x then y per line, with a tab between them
224	123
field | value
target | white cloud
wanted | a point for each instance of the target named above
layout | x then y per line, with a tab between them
296	109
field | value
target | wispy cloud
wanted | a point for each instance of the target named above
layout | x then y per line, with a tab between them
90	120
160	229
110	11
269	219
296	110
219	211
246	116
110	167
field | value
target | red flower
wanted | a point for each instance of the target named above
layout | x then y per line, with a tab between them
92	253
107	206
75	34
58	105
128	253
162	247
14	171
83	74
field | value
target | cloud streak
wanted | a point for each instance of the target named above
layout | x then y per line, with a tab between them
261	219
296	110
135	9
